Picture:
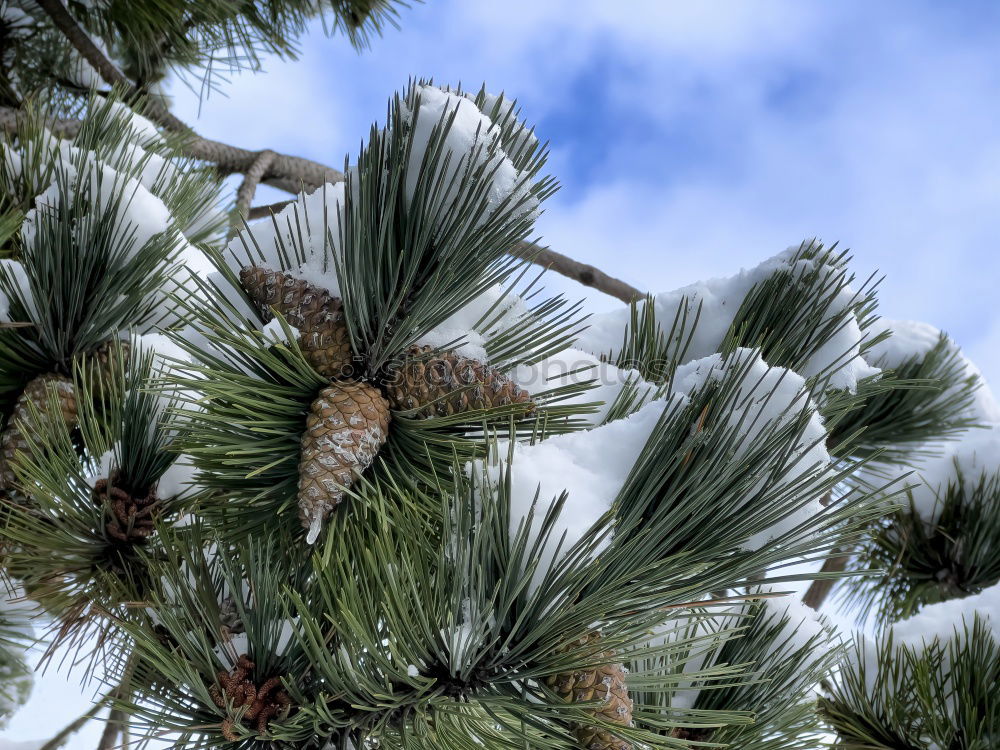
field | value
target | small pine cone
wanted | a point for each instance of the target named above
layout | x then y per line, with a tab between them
604	683
14	438
262	701
448	384
317	314
346	426
132	517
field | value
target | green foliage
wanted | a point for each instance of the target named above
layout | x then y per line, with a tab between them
201	42
772	673
57	541
928	401
406	264
83	269
890	696
929	561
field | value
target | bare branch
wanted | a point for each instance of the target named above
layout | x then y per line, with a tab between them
262	212
289	173
112	730
586	274
820	589
245	193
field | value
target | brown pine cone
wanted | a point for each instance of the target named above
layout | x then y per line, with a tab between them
317	314
446	384
604	683
262	702
20	424
131	517
346	426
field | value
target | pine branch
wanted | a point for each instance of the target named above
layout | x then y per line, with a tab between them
286	172
582	272
111	730
254	175
820	589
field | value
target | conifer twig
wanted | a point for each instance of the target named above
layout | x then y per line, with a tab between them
820	588
584	273
245	193
285	172
112	729
288	173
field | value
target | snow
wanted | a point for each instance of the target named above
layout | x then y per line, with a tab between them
802	626
138	212
719	300
307	229
412	671
911	339
942	619
273	331
771	397
590	466
14	272
140	130
575	366
472	142
501	309
973	455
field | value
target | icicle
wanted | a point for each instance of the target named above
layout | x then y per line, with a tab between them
315	526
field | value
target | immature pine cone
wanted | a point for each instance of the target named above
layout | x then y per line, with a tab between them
346	426
605	684
317	315
262	702
20	424
131	516
448	383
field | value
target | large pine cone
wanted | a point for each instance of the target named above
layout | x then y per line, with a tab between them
14	438
447	384
604	684
346	426
316	313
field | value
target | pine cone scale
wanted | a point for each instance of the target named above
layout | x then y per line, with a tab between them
604	683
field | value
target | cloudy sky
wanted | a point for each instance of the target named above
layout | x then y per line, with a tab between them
691	139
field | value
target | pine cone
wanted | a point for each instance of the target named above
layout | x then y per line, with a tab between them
262	702
317	314
448	384
604	683
132	516
20	424
346	426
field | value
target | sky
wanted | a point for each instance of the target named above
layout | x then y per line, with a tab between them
691	139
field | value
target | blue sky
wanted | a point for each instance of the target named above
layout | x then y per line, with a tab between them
693	139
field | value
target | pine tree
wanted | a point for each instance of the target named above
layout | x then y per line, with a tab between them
338	473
